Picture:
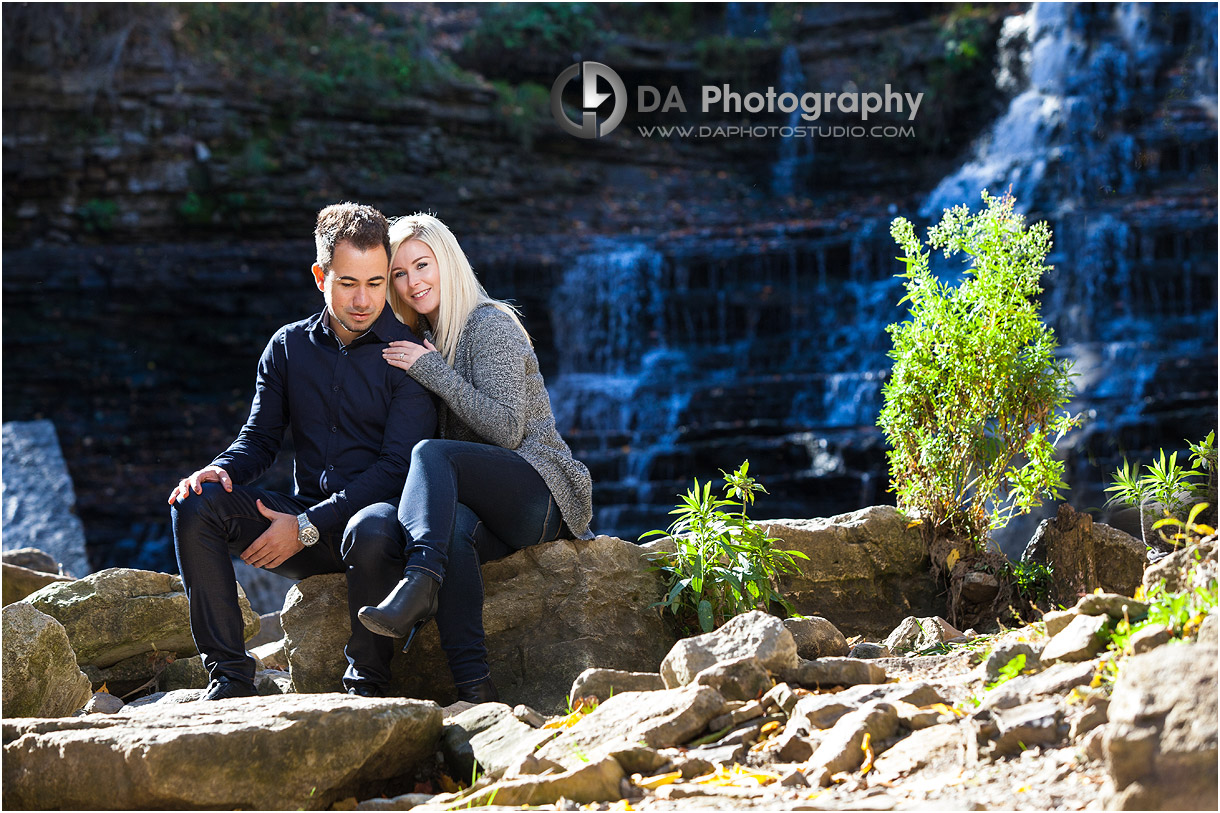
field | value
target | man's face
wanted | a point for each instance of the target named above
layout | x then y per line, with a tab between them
354	289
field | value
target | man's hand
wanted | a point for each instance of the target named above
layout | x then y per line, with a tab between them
208	474
276	544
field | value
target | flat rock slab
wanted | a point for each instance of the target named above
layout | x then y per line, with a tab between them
1080	640
655	719
275	753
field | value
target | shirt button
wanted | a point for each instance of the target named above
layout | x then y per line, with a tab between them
331	467
335	388
334	429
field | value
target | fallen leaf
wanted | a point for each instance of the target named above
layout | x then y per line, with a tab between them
867	748
654	782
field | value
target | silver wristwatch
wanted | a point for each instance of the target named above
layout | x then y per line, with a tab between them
307	534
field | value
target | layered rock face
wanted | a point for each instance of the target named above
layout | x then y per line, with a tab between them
550	612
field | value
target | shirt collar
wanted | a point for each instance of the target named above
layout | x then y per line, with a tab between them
387	328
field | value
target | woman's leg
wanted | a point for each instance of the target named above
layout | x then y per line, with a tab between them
497	484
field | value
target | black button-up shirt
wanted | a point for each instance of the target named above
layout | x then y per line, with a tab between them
354	418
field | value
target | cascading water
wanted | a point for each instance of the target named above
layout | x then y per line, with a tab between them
795	154
677	360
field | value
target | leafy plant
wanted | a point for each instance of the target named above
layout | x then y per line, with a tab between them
1008	671
1033	580
1168	483
971	407
97	216
724	563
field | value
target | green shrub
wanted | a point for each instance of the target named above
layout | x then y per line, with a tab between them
97	216
535	31
724	564
971	406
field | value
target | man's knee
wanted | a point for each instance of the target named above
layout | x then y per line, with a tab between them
373	534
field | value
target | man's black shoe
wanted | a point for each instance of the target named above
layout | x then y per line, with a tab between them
366	690
224	688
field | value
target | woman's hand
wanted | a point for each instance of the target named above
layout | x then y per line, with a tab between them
403	354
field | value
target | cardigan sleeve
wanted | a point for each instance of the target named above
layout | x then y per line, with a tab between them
492	403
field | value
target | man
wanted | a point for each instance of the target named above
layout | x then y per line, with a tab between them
354	421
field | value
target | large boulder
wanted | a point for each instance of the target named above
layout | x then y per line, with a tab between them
19	581
39	502
1085	556
866	571
33	558
118	613
41	678
269	753
1160	743
550	612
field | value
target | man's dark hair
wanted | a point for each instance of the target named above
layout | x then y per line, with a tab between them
362	226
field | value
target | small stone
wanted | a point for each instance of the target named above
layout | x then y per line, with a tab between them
780	696
827	672
272	682
817	712
942	743
1057	620
605	683
1096	713
753	634
916	634
747	711
1058	679
530	717
915	718
792	747
184	673
865	650
1027	726
1113	605
1149	638
31	558
794	779
103	703
736	679
1005	653
1081	640
640	759
816	637
842	749
979	588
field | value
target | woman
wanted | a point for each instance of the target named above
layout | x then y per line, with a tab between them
500	478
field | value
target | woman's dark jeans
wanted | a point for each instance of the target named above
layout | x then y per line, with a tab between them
465	504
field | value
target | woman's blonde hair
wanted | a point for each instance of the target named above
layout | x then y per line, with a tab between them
460	291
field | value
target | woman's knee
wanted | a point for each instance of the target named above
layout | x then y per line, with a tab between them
194	506
373	535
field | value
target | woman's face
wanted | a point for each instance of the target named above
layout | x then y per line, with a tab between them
416	277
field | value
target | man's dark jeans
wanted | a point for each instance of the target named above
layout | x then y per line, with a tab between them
464	504
208	527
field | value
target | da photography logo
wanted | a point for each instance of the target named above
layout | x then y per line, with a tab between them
591	99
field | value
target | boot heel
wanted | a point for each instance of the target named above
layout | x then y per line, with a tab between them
410	604
411	635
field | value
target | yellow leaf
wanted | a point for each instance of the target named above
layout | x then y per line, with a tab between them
622	805
866	747
1139	593
952	558
1075	696
1205	530
1192	626
770	728
447	784
913	524
104	690
943	709
1096	681
1023	789
736	776
1098	591
654	782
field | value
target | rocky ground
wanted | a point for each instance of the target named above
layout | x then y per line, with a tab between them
759	714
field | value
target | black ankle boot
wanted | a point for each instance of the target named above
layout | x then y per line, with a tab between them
482	692
411	603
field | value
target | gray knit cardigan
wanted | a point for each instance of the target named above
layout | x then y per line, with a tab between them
494	393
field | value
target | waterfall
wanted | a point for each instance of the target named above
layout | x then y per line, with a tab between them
788	175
